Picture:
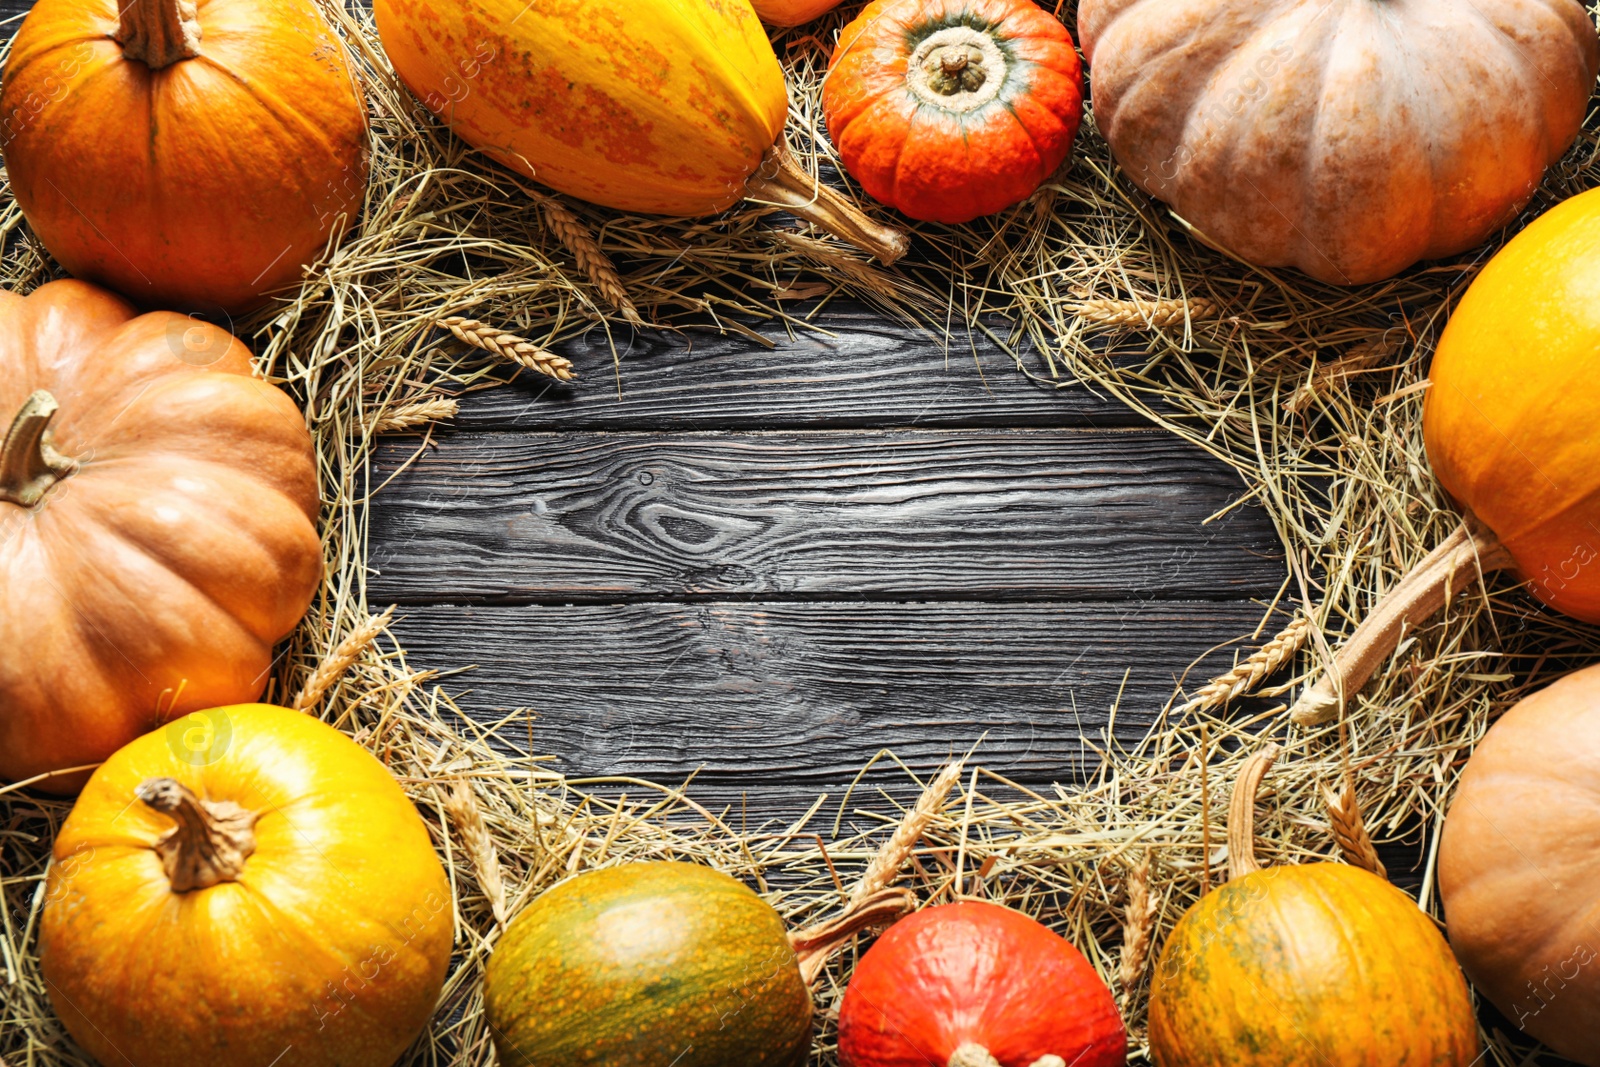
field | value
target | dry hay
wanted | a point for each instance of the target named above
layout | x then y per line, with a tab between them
1311	392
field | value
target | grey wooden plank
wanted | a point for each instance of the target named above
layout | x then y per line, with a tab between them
945	514
782	700
856	369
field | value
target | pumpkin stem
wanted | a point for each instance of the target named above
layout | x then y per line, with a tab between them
211	841
28	465
971	1055
1242	813
158	33
779	180
815	945
1422	593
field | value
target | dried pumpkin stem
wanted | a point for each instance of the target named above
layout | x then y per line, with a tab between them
1465	557
158	33
779	180
815	945
211	841
971	1055
28	465
1242	813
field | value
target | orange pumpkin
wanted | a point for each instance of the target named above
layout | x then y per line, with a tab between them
191	155
951	109
1347	139
669	107
271	897
1310	964
792	12
1518	873
157	536
1509	426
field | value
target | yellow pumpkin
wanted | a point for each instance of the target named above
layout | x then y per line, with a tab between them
667	107
245	887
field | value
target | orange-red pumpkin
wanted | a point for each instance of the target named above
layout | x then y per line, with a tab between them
1509	425
191	154
1348	138
792	12
270	897
1310	964
157	525
973	984
951	109
1518	871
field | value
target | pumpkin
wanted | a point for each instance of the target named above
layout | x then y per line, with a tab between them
191	154
157	535
792	12
973	984
655	963
951	109
1347	139
1518	874
1509	428
280	893
669	107
1315	963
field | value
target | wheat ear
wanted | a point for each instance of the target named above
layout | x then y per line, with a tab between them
411	416
1260	665
885	866
1138	926
1147	313
509	346
1350	829
333	666
576	238
462	806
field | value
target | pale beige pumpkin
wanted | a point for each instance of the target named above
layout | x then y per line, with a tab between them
157	525
1348	138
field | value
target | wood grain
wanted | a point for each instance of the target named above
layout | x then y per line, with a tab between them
856	369
991	515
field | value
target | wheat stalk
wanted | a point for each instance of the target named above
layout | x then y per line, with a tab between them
885	866
1146	313
332	668
1359	358
1138	927
591	259
509	346
410	416
1247	675
1350	829
462	806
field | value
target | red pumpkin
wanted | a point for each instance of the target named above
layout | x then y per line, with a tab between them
977	985
951	109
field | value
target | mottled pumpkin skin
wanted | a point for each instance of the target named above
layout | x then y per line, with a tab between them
155	579
976	973
792	12
328	951
945	164
1315	964
1518	870
1510	418
656	106
206	184
1347	138
648	965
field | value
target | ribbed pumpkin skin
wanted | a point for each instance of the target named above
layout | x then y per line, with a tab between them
206	184
1510	418
976	973
942	164
155	579
792	12
1518	871
655	106
648	965
1347	138
328	951
1319	963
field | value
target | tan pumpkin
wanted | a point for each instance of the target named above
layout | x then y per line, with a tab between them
1518	870
157	525
1348	138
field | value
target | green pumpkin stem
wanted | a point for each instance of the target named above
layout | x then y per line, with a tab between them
29	466
211	841
780	181
158	33
815	945
1242	813
1463	558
